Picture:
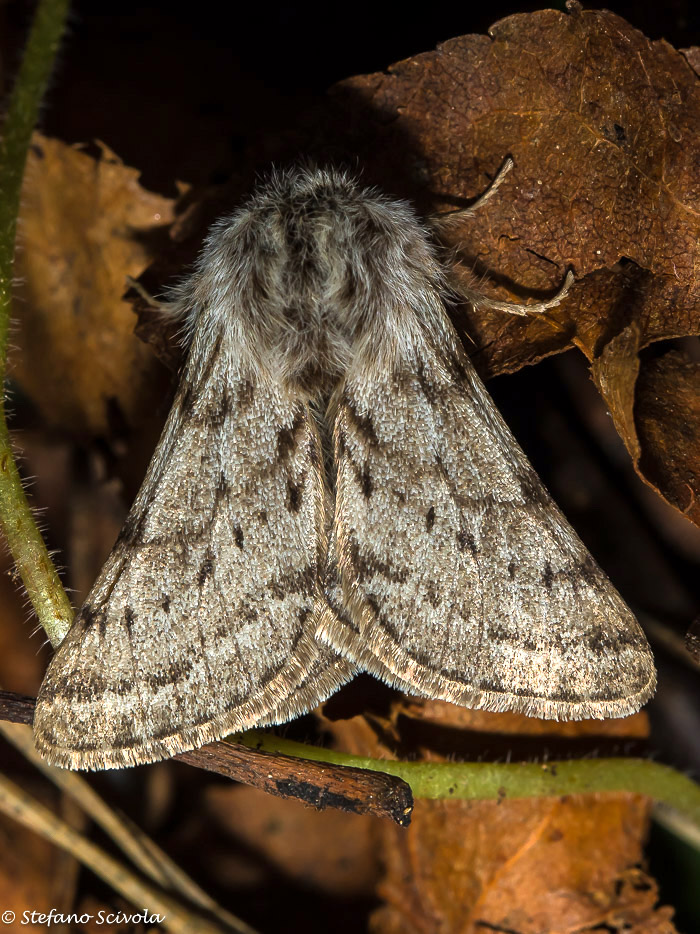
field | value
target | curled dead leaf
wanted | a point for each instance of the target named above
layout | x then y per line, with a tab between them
601	124
668	423
85	224
615	373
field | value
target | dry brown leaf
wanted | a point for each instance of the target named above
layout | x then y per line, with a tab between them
331	851
693	56
527	865
655	406
667	416
85	225
615	371
567	865
601	123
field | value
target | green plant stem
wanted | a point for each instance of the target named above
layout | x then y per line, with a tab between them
472	780
26	544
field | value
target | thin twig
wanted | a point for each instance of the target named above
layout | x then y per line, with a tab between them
140	849
318	783
361	791
21	807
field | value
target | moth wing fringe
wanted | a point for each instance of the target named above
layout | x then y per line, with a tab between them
422	682
257	711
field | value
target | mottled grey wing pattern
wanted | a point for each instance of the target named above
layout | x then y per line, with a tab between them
202	619
459	578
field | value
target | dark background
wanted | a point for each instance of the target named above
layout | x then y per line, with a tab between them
180	90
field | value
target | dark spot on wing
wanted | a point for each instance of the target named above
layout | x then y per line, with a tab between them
589	571
87	616
287	437
366	482
565	693
434	595
294	491
512	567
497	633
129	617
600	642
186	401
92	617
502	634
400	496
532	490
223	488
85	691
218	413
612	641
205	571
165	603
361	422
586	571
467	542
430	519
249	614
171	674
366	565
245	393
431	392
132	530
262	516
238	536
548	576
442	470
303	582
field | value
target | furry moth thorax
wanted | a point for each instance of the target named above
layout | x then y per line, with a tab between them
314	275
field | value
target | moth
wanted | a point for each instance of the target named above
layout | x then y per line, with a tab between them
333	490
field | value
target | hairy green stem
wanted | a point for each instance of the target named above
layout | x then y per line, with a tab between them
472	780
26	544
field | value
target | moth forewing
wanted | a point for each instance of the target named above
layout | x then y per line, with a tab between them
460	578
202	621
